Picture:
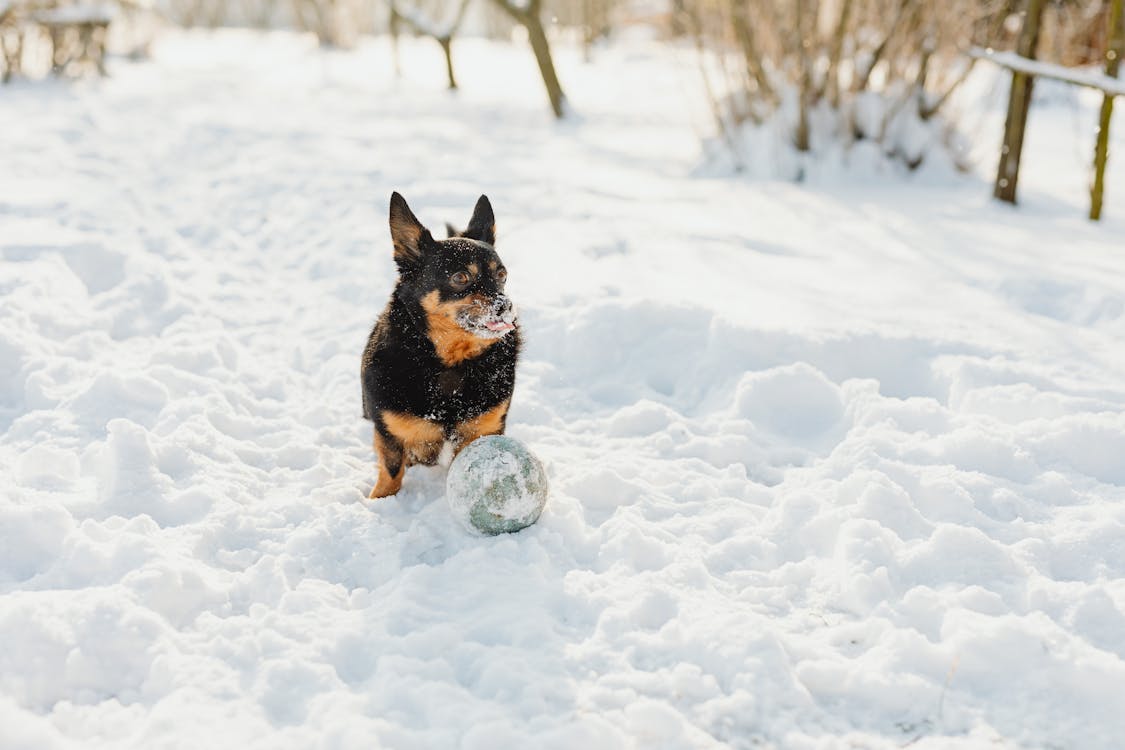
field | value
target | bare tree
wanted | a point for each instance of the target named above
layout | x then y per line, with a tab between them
1115	48
330	20
11	43
527	14
858	68
1019	100
421	24
261	14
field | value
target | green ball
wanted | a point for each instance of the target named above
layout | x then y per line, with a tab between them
496	485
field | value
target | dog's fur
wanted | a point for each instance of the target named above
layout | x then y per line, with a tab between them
440	363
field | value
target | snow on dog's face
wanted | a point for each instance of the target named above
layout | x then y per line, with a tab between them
466	282
459	282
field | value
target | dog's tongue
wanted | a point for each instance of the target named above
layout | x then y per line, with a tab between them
498	325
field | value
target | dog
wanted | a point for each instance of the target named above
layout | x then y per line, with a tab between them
440	363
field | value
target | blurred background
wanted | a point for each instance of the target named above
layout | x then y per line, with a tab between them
771	80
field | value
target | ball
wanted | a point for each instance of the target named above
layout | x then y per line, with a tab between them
496	485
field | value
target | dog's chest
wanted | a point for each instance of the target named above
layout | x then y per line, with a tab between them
448	384
458	393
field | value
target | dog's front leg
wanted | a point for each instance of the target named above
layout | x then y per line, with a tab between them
392	465
492	422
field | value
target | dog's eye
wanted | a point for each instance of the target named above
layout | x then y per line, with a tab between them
459	279
502	274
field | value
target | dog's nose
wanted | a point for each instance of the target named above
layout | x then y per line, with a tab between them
503	306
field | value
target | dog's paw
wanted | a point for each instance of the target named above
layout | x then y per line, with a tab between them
382	490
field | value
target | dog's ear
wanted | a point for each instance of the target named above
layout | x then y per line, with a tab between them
483	224
410	238
451	231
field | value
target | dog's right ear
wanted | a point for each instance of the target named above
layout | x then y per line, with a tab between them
410	238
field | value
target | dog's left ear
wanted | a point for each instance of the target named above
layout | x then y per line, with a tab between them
482	226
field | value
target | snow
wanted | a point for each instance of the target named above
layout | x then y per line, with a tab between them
833	465
1013	61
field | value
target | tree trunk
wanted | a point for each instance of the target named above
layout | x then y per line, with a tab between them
588	34
263	14
447	47
805	95
427	27
744	36
394	27
1115	48
832	77
861	80
11	47
1019	99
537	36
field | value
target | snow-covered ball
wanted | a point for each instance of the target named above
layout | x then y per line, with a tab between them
496	485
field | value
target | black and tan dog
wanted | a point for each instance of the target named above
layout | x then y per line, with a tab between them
440	364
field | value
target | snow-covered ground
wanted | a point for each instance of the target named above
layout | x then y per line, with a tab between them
834	466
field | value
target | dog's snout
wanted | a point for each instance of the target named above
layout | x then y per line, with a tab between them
505	308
